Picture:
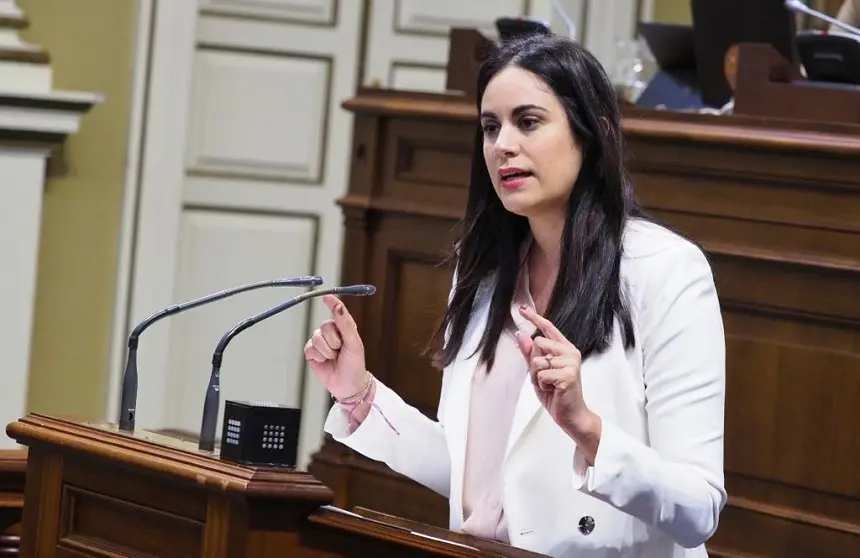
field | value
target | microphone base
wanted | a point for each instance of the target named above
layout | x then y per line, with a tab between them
261	434
126	425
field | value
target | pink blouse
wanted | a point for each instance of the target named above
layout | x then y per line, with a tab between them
491	413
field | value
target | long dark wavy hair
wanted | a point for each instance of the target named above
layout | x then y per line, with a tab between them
588	295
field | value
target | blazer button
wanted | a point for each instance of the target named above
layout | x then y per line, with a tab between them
586	525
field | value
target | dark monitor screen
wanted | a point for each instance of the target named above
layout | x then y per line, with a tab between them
671	44
675	85
719	24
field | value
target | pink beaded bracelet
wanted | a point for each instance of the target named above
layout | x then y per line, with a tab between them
366	396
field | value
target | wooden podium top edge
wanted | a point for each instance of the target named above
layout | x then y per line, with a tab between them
734	130
343	520
165	455
406	532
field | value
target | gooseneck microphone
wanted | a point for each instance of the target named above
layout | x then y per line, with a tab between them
212	400
128	402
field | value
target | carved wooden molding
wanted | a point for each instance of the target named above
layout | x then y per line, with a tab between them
164	455
741	131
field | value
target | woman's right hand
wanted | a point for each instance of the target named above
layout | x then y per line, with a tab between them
335	352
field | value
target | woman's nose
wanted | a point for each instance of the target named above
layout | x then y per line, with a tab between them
506	144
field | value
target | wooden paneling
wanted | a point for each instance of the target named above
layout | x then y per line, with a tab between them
781	225
92	521
776	206
13	464
782	228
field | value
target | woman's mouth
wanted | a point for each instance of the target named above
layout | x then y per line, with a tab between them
513	178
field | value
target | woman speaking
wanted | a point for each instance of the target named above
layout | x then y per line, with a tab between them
583	353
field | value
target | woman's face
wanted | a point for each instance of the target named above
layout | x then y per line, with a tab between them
529	147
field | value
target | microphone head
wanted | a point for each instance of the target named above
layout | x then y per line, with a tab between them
357	290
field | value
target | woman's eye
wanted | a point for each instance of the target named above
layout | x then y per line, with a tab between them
529	123
490	127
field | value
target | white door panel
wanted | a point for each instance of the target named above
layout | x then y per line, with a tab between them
154	245
321	12
221	249
250	119
407	40
246	122
438	16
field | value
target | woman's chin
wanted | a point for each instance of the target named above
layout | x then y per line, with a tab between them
518	205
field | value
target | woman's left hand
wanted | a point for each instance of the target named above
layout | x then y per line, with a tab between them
554	366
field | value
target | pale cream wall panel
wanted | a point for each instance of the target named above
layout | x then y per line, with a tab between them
320	12
22	175
250	117
415	33
220	249
438	16
276	36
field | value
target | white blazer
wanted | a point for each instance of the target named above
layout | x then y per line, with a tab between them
656	488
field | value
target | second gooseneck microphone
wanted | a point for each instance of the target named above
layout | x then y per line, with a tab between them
212	401
128	401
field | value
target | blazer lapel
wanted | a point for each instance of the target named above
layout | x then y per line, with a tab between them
457	428
527	402
459	403
527	407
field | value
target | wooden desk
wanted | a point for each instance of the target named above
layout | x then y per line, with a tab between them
775	204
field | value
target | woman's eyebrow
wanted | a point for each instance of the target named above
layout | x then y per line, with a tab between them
516	112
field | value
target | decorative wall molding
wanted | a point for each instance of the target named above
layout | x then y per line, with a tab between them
25	65
34	119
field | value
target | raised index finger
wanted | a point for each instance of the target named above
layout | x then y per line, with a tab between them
344	322
545	326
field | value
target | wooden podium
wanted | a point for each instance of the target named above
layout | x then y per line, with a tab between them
97	492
